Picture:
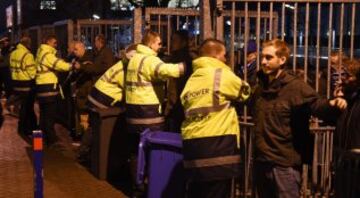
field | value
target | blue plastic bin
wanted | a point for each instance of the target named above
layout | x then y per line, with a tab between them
161	161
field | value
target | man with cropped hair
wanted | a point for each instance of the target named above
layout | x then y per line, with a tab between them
284	104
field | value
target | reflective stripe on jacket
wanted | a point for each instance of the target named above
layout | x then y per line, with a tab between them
109	87
211	129
47	64
145	76
22	64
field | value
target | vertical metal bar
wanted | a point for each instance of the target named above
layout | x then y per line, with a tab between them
329	48
246	38
306	53
159	24
327	164
258	35
168	33
341	33
318	48
177	22
232	32
187	22
240	30
295	36
315	160
353	14
239	40
323	147
271	20
247	27
283	21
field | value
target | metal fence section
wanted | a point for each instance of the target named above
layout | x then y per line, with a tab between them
118	33
335	22
165	21
315	183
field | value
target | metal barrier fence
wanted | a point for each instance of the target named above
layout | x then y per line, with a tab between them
118	33
167	20
316	183
296	19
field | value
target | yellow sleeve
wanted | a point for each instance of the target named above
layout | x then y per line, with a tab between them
29	65
57	64
159	70
233	87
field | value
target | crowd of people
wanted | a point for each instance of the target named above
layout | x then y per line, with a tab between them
195	93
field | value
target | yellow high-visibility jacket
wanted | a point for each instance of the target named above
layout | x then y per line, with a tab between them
145	74
109	90
145	88
47	64
23	69
211	128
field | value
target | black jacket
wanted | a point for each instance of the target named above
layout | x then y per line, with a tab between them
347	133
282	112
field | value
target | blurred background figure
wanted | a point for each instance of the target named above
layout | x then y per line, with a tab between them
5	78
180	52
338	72
251	57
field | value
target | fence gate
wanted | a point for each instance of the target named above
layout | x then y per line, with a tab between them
166	20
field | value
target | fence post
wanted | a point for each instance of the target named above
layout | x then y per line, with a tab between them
38	163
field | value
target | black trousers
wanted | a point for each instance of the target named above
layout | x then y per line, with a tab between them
27	118
47	120
210	189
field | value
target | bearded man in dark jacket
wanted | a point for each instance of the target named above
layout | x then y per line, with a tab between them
282	113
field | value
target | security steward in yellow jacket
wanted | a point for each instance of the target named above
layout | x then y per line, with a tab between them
47	87
23	71
211	130
109	90
145	89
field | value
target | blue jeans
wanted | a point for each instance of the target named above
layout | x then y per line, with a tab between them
276	181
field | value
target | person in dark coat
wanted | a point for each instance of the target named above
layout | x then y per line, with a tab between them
251	57
284	104
180	52
103	59
347	135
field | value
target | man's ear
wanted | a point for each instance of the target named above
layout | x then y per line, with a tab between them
282	60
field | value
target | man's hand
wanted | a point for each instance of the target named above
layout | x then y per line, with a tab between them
76	65
339	103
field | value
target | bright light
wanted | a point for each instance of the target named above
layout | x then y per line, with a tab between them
95	16
289	6
228	22
349	33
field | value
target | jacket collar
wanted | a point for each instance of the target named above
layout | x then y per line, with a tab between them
203	62
48	48
22	47
275	86
143	49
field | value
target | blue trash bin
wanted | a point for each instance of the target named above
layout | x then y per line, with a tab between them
160	159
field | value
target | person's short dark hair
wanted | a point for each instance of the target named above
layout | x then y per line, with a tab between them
49	37
183	35
211	47
251	47
149	37
101	38
26	41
